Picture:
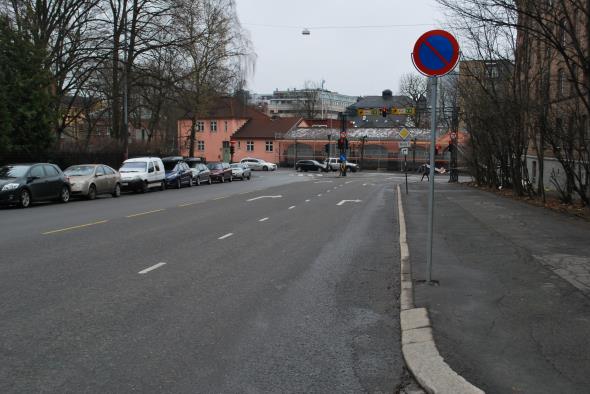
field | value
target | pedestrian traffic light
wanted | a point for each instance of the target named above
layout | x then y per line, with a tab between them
384	112
327	148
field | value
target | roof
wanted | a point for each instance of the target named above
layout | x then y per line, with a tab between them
372	134
380	102
266	127
228	108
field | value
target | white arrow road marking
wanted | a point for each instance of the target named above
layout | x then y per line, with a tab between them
153	267
344	201
226	236
258	198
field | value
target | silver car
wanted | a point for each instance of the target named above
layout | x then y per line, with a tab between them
258	164
90	180
240	171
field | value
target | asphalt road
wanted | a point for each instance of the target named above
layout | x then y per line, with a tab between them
215	288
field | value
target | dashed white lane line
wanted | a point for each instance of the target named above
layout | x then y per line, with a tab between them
153	267
263	220
348	182
328	191
219	198
226	236
292	206
319	195
307	200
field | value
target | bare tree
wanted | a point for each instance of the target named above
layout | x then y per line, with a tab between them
309	101
414	86
216	51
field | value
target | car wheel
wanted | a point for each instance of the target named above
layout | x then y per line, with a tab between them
231	178
190	182
198	181
265	168
163	186
117	191
222	179
178	184
64	196
144	187
249	176
25	198
91	192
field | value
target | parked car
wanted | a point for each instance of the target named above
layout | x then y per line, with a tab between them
310	165
220	172
143	173
240	171
258	164
178	172
200	171
90	180
22	184
334	165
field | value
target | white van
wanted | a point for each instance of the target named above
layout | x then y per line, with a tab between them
142	173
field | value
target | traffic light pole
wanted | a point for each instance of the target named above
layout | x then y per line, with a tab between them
433	87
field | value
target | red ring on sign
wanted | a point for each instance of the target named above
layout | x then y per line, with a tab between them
450	64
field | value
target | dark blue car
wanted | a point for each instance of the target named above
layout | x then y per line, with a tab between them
178	173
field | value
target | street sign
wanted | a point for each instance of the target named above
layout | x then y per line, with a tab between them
404	151
404	144
403	111
436	53
404	133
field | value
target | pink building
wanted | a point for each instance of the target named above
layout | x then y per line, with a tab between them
215	129
259	137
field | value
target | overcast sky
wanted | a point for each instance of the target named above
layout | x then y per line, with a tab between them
351	60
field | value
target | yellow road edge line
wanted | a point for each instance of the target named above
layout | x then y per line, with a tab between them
144	213
73	227
188	204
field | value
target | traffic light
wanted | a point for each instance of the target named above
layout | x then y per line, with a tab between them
327	148
384	112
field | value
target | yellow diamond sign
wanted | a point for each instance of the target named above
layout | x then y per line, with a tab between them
404	133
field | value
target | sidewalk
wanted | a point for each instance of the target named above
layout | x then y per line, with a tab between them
512	311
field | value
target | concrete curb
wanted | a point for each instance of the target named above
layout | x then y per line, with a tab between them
418	347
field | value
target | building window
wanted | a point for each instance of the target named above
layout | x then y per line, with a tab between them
213	126
562	32
268	146
200	126
250	146
560	83
200	145
225	125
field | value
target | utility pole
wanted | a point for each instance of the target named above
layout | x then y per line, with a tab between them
125	88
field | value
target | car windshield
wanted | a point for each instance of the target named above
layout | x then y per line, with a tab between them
215	166
193	164
79	170
170	165
134	166
13	171
236	165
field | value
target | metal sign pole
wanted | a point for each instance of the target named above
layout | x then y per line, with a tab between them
433	87
406	171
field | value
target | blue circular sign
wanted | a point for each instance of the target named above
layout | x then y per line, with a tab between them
436	53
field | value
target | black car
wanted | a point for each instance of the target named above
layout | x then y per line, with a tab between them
178	172
310	165
22	184
220	172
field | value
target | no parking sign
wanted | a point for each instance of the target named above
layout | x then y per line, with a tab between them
436	53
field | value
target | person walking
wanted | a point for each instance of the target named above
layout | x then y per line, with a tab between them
425	169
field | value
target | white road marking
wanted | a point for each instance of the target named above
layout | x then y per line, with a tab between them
328	191
344	201
263	220
153	267
319	195
258	198
219	198
307	200
364	184
323	181
226	236
292	206
348	182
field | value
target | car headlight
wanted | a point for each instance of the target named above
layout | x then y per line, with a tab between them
10	186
